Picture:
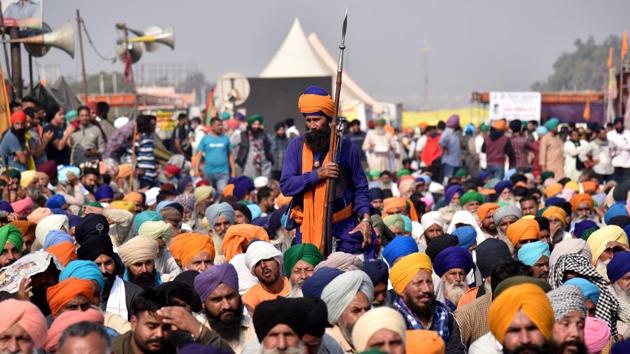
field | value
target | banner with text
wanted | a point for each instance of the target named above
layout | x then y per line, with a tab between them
515	105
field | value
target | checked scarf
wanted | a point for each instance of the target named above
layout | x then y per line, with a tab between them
607	308
441	321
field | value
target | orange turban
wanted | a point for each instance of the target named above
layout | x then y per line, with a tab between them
500	125
67	290
24	227
312	103
237	238
283	200
134	197
589	186
424	341
228	190
124	170
184	247
485	208
553	189
581	198
523	230
530	299
390	205
554	211
64	251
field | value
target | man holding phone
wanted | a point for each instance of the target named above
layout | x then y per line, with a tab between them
87	142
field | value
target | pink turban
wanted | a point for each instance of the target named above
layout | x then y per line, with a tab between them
27	315
23	207
38	214
66	320
596	335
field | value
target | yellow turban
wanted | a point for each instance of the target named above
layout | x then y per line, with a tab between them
121	204
138	249
598	240
406	268
530	299
523	230
134	197
202	193
184	247
156	230
553	189
573	185
555	212
26	177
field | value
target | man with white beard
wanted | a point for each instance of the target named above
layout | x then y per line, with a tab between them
452	265
618	270
299	264
604	243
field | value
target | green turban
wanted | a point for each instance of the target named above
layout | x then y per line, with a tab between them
545	175
461	172
403	172
484	127
255	117
380	121
471	197
552	124
92	204
9	233
302	252
375	173
394	220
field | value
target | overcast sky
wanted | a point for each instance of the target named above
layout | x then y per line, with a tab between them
475	45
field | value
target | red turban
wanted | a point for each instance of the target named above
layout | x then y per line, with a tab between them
18	117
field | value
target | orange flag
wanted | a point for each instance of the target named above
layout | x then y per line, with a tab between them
610	58
587	110
5	111
624	45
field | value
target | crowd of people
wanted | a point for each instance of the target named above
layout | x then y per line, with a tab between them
508	237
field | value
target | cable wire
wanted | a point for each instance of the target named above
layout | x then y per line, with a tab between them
89	38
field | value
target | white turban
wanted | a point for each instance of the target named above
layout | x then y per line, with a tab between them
246	279
432	218
340	292
375	320
466	218
261	250
568	246
51	222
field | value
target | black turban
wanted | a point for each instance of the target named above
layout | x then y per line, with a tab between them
490	253
93	247
377	270
92	226
175	292
317	313
290	312
439	243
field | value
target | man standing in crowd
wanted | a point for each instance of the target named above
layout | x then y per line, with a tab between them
451	142
551	149
86	141
280	142
218	161
181	136
254	155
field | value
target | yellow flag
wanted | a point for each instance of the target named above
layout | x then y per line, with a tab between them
624	45
587	110
5	111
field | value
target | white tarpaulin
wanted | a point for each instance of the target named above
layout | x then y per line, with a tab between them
515	105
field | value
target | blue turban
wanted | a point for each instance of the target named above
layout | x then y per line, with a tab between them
590	290
62	173
313	286
163	204
104	192
255	210
580	229
617	209
618	266
73	220
377	270
484	175
407	223
450	192
451	258
469	129
242	186
531	252
54	237
147	215
554	201
499	187
55	202
400	246
83	270
6	206
467	236
552	124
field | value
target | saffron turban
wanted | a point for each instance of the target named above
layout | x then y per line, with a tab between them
469	197
403	272
399	247
207	281
377	270
505	211
60	294
156	230
554	212
531	252
23	207
467	236
340	292
24	227
314	285
56	201
619	266
453	257
238	237
184	247
38	214
202	193
568	246
553	190
81	269
50	222
394	205
316	100
342	261
499	125
221	209
290	312
147	215
124	170
27	177
375	320
65	252
450	192
138	249
259	251
66	320
305	252
596	335
9	233
486	208
530	299
424	341
134	197
28	316
432	218
490	253
589	290
599	239
581	198
589	186
566	299
523	230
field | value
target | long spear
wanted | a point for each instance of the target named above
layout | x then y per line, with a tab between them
334	149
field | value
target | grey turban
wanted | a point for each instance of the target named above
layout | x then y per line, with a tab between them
504	211
565	299
220	209
340	292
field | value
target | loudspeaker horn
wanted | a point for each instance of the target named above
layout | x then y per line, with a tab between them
63	39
